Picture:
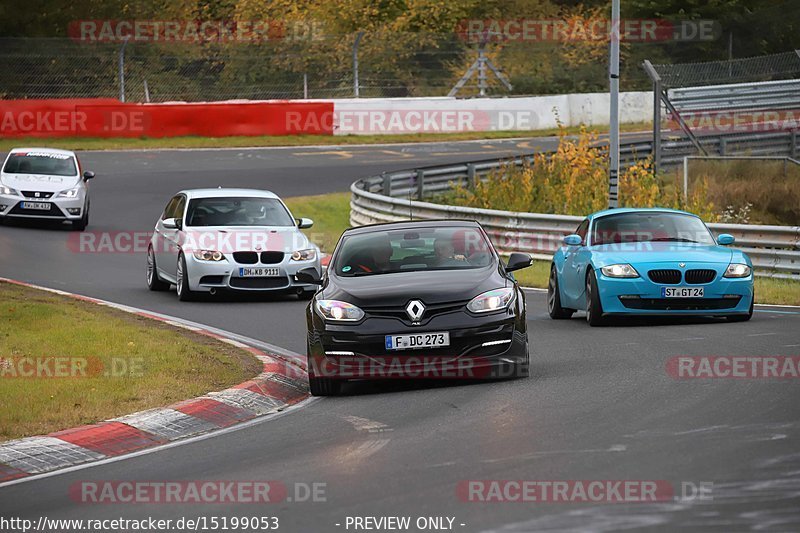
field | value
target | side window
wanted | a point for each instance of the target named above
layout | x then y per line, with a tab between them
180	208
583	229
170	208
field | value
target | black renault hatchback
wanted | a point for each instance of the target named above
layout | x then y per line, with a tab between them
428	299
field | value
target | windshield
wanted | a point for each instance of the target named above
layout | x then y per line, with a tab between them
650	227
41	163
384	252
237	212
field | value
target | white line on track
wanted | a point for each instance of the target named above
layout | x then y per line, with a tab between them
760	334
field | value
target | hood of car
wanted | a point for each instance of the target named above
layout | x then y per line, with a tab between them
430	286
228	239
657	252
39	182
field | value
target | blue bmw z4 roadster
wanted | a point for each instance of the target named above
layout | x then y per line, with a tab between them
649	262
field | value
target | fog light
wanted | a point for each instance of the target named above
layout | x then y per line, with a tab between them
629	297
74	210
495	343
730	296
339	353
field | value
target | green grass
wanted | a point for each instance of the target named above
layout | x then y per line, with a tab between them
155	364
331	214
89	143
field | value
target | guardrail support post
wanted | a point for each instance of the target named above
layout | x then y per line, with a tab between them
723	146
793	144
470	176
420	184
387	184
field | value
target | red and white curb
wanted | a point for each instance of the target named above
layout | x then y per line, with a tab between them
282	383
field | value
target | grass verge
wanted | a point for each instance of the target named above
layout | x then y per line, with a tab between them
331	214
142	143
111	363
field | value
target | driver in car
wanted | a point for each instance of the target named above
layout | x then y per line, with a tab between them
446	253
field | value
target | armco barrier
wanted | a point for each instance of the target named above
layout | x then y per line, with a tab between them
110	118
774	250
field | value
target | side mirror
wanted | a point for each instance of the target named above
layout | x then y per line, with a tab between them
573	240
725	239
304	223
518	261
171	223
88	175
308	275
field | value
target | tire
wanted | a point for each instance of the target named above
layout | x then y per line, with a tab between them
554	308
80	225
594	308
743	318
184	293
154	283
305	295
321	386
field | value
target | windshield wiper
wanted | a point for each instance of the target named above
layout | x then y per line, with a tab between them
673	239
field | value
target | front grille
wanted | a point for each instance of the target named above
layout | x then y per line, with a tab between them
697	276
260	283
400	312
212	280
271	258
680	304
33	194
665	276
53	212
246	258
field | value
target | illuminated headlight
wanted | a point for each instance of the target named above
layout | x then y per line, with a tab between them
619	271
737	270
72	193
209	255
339	311
304	255
493	300
7	190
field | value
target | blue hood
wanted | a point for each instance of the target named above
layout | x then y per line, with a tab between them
659	252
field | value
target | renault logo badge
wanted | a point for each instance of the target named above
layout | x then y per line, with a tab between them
414	310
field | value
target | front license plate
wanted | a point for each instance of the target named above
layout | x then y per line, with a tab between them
417	340
682	292
39	206
258	272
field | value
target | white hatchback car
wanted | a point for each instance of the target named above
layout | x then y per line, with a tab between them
46	184
233	239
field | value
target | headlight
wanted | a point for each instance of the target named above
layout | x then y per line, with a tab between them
7	190
72	193
208	255
304	255
493	300
339	311
737	270
619	271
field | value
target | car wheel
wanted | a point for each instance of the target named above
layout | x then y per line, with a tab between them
305	295
154	283
594	309
80	225
554	308
743	318
184	293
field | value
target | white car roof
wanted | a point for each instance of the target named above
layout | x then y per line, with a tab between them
43	150
227	192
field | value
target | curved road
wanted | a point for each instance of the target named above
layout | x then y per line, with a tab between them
600	405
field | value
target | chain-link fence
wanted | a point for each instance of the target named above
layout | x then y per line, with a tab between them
384	65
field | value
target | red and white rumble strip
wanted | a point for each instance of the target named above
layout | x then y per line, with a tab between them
281	383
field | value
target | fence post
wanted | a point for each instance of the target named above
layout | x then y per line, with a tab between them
121	68
305	85
420	184
471	176
793	146
356	91
723	146
387	184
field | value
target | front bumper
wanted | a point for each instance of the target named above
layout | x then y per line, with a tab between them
60	208
490	346
204	276
641	296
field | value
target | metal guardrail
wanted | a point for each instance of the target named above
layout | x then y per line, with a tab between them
768	95
394	196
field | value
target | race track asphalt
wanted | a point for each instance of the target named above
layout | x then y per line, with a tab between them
599	406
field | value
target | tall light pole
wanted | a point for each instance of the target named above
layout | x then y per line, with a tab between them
613	82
